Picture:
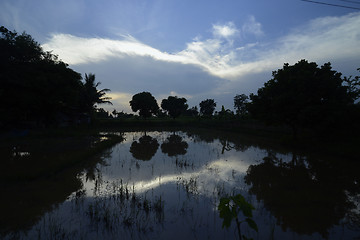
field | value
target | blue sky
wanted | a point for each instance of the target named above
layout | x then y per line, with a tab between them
193	49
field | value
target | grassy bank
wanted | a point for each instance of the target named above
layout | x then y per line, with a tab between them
44	153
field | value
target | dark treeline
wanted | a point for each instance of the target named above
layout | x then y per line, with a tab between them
302	96
38	89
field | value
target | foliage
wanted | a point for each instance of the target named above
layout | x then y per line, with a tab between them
145	103
38	89
230	207
207	107
353	86
102	113
174	106
225	114
91	95
121	114
192	112
302	95
240	104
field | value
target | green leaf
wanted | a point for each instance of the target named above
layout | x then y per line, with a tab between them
238	200
247	209
252	224
225	212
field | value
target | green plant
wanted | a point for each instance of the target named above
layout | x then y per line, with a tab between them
230	207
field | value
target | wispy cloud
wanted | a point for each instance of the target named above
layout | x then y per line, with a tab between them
252	27
77	50
225	31
321	39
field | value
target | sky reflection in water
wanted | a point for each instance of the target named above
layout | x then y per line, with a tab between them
172	192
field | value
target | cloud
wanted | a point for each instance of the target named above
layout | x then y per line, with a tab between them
119	100
77	50
323	38
252	27
135	74
212	55
219	66
225	31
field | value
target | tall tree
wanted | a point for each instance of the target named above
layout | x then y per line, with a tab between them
34	85
93	96
301	95
207	107
240	104
174	106
145	103
353	85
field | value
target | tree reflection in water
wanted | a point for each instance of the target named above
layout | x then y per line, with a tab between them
305	196
145	149
25	201
174	145
164	198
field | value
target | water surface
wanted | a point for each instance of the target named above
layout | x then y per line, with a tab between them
167	185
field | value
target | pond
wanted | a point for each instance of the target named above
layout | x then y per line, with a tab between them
167	185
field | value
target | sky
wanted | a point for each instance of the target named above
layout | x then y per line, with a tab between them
194	49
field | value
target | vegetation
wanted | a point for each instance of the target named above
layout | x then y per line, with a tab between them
207	107
30	154
145	103
303	95
240	104
174	106
93	96
353	86
37	89
231	207
40	90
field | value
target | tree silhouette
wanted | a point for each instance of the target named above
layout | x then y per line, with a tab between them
145	103
207	107
302	95
38	89
240	104
192	112
145	149
174	145
34	86
93	96
353	86
225	113
174	106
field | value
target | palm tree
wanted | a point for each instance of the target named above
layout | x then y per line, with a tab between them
92	95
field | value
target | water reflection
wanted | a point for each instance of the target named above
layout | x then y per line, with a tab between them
145	148
176	197
28	192
304	197
174	145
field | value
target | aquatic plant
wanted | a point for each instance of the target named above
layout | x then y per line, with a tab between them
230	207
